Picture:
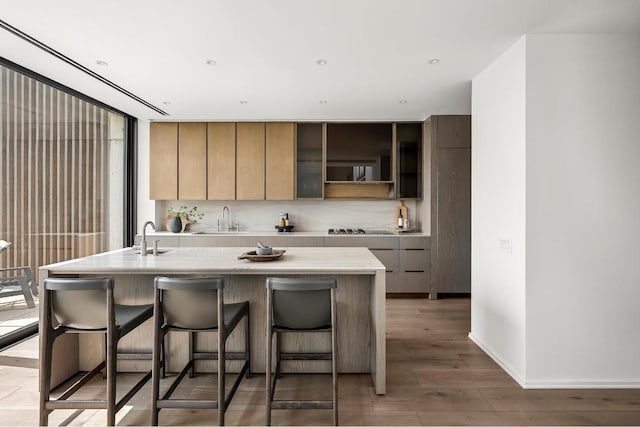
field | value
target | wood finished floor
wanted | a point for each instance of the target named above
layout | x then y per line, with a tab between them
436	376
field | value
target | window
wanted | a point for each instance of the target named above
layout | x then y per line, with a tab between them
64	183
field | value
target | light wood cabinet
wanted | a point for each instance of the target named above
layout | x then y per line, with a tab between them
221	161
192	161
250	161
163	164
280	161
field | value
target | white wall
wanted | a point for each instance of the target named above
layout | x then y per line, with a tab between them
580	254
498	210
583	210
146	207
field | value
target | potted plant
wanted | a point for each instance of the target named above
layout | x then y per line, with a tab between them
179	219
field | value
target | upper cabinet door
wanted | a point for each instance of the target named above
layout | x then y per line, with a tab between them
309	164
409	160
163	165
280	161
250	161
221	164
452	131
192	165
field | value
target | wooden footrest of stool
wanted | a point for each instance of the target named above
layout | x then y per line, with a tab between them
301	404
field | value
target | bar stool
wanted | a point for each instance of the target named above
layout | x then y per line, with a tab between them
300	305
86	305
196	305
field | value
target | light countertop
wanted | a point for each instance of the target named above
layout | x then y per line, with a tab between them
224	260
285	234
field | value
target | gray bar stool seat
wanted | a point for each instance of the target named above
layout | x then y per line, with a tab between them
196	305
300	305
86	306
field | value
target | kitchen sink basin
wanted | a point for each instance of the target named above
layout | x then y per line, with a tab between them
150	251
222	233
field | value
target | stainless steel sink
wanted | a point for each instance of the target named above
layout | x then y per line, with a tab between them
222	233
150	251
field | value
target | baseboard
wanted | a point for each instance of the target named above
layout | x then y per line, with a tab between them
407	295
551	384
499	361
589	384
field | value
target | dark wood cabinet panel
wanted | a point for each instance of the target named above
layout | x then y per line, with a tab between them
452	131
450	149
454	220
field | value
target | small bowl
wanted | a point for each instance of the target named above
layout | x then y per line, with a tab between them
264	251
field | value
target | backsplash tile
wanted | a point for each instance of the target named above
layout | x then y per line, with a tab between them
304	215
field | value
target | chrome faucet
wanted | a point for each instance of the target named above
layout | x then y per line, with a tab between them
228	222
143	243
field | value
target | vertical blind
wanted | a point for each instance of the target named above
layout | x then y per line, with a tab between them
54	173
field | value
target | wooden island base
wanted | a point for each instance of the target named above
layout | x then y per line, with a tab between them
360	301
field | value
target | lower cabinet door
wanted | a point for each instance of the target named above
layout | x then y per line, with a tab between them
388	257
413	282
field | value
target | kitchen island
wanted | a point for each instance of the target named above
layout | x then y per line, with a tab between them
360	301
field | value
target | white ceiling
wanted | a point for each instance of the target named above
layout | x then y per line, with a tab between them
377	51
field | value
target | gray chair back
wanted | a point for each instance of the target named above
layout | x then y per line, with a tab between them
79	303
190	303
301	303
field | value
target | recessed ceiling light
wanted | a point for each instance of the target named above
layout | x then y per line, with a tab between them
321	62
211	62
102	63
166	102
243	102
324	101
403	101
434	61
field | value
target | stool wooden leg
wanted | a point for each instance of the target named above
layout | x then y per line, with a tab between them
267	367
221	373
164	354
46	341
158	348
112	359
247	344
277	374
192	339
334	356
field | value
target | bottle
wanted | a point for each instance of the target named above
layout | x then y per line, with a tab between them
400	219
286	219
282	221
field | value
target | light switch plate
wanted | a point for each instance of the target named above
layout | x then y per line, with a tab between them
506	245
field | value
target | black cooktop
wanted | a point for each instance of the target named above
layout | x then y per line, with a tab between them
347	231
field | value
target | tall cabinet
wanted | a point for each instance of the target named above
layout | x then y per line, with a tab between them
449	141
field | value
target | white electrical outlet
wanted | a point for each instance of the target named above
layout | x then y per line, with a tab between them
506	245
